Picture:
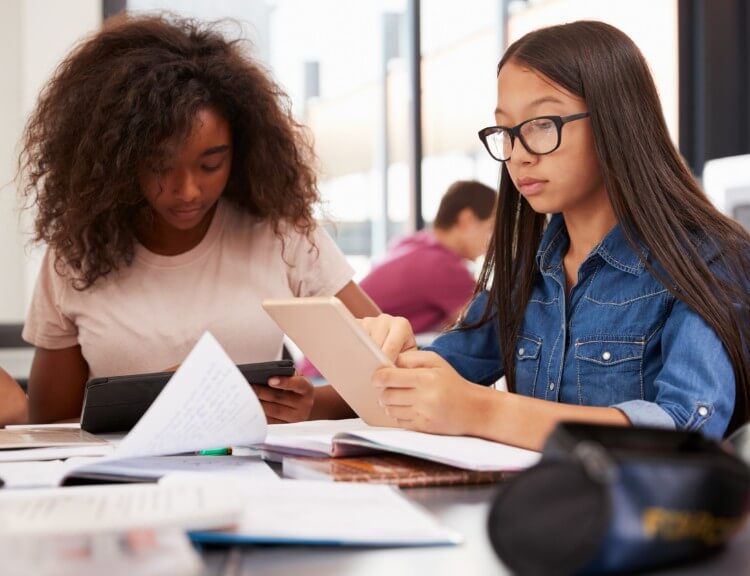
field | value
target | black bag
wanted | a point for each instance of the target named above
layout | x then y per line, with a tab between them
608	499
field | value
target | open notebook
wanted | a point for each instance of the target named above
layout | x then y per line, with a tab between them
338	438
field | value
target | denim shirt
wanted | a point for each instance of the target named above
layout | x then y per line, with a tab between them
619	339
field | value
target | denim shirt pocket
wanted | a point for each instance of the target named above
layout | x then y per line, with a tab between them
528	353
609	369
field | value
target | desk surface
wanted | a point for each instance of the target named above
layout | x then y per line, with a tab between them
462	508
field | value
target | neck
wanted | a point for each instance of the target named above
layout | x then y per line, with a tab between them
449	240
165	240
587	227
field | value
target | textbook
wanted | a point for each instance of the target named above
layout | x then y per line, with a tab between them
396	469
347	438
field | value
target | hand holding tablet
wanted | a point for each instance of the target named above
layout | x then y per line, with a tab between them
333	340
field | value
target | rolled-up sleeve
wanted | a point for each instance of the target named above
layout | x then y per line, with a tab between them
695	388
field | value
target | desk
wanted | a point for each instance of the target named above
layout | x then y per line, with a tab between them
463	508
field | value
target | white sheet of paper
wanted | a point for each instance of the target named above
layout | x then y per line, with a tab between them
44	474
206	404
114	507
300	511
142	552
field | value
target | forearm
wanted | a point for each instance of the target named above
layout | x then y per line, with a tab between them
526	422
329	405
13	406
56	385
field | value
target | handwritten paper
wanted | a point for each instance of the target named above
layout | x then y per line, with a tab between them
206	404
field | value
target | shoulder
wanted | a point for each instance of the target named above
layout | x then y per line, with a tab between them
54	271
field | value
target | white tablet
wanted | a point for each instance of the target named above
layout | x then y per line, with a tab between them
333	340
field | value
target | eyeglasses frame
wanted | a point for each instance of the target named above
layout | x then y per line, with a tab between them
515	132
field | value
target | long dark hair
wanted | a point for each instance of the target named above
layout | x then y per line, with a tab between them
654	196
119	101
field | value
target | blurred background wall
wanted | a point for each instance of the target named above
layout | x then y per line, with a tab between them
394	92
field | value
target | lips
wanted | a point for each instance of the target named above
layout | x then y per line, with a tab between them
529	186
186	213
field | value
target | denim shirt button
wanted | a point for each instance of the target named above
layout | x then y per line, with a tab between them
551	386
521	351
606	356
703	411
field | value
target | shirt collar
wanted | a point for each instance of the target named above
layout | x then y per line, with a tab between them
613	249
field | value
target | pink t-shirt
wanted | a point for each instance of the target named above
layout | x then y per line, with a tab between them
421	280
148	316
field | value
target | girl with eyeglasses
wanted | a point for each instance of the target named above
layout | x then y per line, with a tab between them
613	291
174	192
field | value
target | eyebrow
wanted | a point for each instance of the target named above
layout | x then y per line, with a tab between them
215	150
537	102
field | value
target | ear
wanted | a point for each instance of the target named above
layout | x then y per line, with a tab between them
466	217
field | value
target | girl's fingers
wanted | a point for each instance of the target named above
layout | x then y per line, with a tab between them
279	413
296	384
269	395
417	359
400	413
393	378
398	397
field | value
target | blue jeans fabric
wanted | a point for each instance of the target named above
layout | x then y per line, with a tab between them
619	339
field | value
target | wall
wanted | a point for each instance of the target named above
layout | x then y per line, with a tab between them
34	36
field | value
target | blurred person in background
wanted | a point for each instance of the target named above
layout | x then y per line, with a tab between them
425	277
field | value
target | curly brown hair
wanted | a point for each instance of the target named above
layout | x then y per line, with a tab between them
118	102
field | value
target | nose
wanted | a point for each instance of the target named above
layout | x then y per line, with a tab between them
186	188
520	156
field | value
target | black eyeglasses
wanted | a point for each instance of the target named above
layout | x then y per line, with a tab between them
541	135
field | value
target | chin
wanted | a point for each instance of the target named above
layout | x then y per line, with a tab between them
544	205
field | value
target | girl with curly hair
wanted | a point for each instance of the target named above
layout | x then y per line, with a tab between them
175	192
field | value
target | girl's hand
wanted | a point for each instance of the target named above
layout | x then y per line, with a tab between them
286	399
426	394
392	334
